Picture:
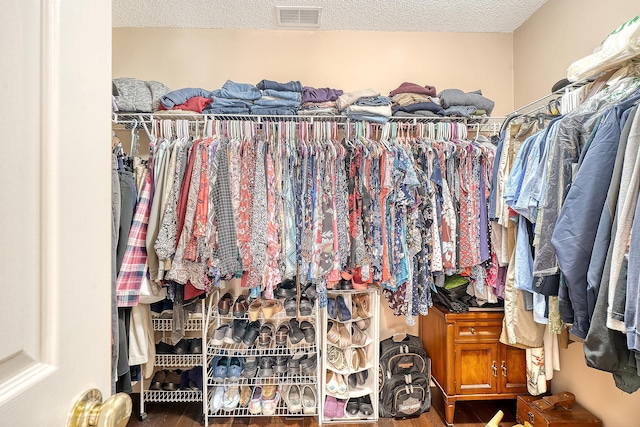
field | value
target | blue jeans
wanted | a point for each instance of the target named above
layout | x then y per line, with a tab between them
282	94
239	91
293	86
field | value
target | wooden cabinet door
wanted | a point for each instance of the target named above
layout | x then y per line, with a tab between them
476	368
512	373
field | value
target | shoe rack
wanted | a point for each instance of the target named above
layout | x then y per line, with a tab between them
348	354
284	370
171	362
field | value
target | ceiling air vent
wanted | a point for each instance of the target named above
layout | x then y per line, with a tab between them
294	16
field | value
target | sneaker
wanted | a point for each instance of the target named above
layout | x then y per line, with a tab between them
219	334
269	406
228	335
255	405
231	398
216	401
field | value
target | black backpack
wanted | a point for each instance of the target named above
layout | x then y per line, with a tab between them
405	374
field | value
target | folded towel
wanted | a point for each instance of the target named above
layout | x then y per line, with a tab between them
378	110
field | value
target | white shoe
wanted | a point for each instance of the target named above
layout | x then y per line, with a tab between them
216	401
231	398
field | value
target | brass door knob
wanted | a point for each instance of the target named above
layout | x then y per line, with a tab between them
89	411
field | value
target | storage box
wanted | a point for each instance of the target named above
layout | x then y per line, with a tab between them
559	410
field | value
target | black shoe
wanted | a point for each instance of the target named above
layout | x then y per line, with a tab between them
308	364
365	407
353	406
286	289
182	347
251	333
164	348
296	335
352	381
195	345
282	360
266	365
239	329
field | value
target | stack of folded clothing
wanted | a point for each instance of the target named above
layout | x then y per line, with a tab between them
187	99
133	95
233	98
319	102
413	100
365	105
277	98
457	103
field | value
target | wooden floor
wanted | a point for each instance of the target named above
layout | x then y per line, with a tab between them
468	414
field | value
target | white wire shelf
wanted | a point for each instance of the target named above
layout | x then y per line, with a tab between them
276	318
178	360
193	324
281	379
173	396
281	410
241	349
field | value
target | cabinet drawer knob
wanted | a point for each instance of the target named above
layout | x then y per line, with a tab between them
494	369
472	330
504	369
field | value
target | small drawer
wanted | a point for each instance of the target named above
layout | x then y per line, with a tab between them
474	331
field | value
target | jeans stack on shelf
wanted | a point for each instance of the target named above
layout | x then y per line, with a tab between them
265	354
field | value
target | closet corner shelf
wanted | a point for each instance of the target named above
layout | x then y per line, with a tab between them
178	360
159	324
173	396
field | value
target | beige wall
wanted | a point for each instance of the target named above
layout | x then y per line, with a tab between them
559	33
344	60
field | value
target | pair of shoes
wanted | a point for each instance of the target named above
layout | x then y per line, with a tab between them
336	383
359	406
166	380
268	308
334	408
188	346
358	379
358	358
338	334
227	367
360	305
286	289
164	348
293	398
222	335
266	365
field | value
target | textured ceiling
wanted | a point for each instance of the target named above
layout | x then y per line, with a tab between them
503	16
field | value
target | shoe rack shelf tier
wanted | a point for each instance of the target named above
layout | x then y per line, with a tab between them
163	328
283	381
342	357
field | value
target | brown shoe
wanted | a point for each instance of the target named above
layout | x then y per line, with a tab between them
245	395
241	306
224	305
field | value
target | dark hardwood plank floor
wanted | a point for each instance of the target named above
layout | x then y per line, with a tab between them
468	414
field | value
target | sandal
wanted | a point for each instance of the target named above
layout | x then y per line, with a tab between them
290	307
357	336
335	357
355	360
332	382
270	307
309	331
305	306
333	334
362	356
364	302
282	333
296	335
364	324
254	309
266	335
